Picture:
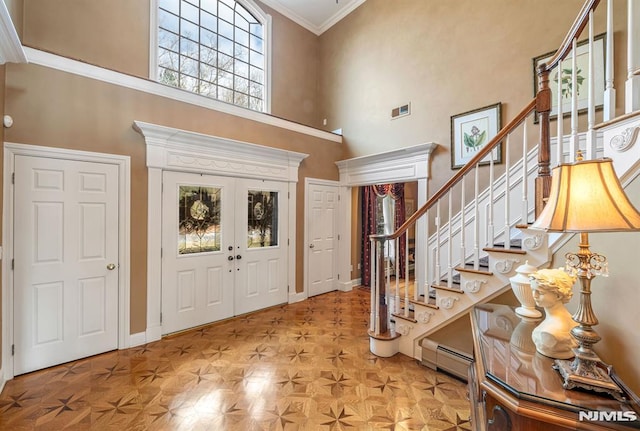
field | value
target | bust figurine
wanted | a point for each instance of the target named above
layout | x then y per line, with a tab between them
552	288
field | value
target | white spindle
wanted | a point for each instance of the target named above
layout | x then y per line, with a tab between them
632	86
463	252
609	92
396	272
525	189
437	272
476	220
591	107
560	121
573	145
450	241
490	231
507	196
372	282
406	274
427	262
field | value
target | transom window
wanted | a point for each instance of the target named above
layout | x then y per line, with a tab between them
213	47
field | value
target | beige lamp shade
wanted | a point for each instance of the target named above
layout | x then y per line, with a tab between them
586	196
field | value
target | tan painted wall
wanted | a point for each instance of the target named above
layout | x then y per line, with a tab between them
615	299
57	109
115	34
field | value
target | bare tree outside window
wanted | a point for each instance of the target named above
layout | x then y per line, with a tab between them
214	48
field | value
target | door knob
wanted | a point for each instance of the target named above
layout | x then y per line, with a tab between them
312	245
238	257
230	258
111	266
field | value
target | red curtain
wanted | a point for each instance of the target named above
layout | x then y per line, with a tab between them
369	196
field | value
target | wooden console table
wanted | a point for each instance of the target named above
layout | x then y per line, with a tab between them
513	388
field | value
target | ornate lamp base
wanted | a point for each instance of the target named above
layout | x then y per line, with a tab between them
589	375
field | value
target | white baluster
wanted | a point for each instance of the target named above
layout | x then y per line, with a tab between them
507	197
397	275
427	259
573	143
609	91
437	273
372	282
450	242
525	188
406	274
632	86
591	107
490	230
463	252
560	121
476	218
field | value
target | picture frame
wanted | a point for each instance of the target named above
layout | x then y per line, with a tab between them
582	61
472	130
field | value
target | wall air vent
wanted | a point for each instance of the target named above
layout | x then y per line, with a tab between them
401	111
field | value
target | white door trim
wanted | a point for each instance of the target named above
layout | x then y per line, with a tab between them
174	149
11	150
399	165
308	182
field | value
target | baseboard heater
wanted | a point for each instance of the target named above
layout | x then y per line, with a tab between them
443	358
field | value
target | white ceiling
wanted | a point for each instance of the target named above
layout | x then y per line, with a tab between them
314	15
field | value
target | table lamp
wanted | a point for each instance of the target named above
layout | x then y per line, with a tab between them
586	196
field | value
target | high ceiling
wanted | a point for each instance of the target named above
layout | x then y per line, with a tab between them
315	15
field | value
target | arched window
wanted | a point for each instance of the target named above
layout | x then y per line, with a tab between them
216	48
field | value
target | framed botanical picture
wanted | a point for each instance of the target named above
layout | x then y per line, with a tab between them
564	72
470	131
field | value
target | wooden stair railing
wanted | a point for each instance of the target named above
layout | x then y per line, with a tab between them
541	105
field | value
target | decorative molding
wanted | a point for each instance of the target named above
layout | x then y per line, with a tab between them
314	28
170	148
448	302
401	165
473	286
424	316
11	50
505	266
180	150
625	140
90	71
533	242
403	329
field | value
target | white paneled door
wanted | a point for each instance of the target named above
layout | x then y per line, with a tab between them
224	248
66	261
322	209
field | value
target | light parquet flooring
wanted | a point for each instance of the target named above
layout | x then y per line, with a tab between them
303	366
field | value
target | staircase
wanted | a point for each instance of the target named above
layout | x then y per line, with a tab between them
479	220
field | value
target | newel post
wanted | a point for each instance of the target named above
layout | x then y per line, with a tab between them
543	107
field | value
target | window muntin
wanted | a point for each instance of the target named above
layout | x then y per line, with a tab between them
212	47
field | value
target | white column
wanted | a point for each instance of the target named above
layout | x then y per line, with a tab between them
154	256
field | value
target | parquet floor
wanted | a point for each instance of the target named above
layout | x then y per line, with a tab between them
303	366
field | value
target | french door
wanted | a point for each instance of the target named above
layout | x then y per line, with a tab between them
224	248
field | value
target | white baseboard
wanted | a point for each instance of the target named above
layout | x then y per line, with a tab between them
2	381
297	297
137	339
153	333
348	285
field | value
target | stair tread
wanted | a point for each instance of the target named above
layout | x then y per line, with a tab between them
403	317
429	304
504	250
447	288
470	269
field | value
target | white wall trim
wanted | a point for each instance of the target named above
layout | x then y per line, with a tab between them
11	150
184	151
138	339
86	70
11	50
400	165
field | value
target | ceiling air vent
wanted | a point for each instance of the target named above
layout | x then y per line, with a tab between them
401	111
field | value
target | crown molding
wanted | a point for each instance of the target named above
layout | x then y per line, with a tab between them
11	50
